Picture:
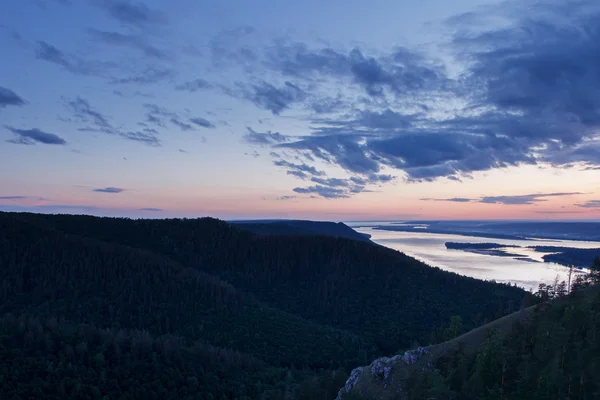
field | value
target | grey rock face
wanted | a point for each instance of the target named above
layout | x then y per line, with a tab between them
381	369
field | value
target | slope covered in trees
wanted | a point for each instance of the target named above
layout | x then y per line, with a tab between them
86	301
548	351
299	227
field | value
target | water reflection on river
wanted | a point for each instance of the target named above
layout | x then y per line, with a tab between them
430	248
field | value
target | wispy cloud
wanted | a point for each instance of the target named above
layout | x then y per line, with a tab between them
590	204
136	42
82	111
22	198
194	86
202	122
522	199
109	189
264	138
151	209
9	98
323	191
452	199
33	136
132	13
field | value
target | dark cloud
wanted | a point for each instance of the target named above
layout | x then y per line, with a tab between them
526	95
323	191
590	204
33	136
204	123
109	190
152	209
9	98
264	138
127	40
194	86
286	197
275	99
401	72
132	13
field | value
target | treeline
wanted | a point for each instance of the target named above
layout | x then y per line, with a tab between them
267	317
554	356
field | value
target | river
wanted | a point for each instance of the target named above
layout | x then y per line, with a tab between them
430	248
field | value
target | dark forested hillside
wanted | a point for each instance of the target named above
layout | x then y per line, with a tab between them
198	305
295	227
554	356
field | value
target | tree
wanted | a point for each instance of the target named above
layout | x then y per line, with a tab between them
595	271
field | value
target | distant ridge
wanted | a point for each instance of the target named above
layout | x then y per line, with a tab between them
301	227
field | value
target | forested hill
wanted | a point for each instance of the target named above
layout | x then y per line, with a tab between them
93	307
299	227
548	351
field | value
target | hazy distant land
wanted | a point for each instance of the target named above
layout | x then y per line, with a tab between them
561	255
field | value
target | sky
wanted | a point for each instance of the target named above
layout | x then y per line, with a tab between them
335	110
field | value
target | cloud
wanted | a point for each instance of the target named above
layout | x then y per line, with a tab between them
264	138
299	170
49	53
590	204
127	40
10	198
401	72
254	154
452	199
109	189
13	197
523	93
522	199
83	112
158	116
132	13
182	125
323	191
558	212
275	99
9	98
204	123
332	182
194	86
152	209
286	197
149	75
33	136
507	200
147	136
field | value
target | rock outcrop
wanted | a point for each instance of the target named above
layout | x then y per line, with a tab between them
385	373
